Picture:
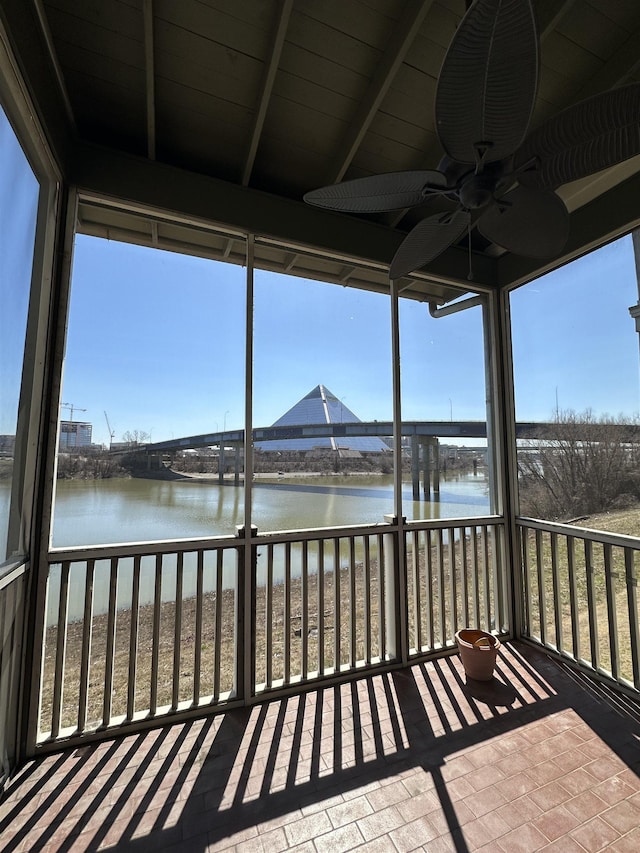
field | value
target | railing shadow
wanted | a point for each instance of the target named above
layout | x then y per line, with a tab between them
197	784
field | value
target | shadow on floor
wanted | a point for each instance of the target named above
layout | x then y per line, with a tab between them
197	785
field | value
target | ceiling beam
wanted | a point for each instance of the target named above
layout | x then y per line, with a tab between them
399	43
23	28
549	13
267	87
624	63
59	76
150	88
197	198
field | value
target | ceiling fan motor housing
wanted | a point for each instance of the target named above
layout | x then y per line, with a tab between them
477	191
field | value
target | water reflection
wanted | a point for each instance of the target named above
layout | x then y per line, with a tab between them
99	512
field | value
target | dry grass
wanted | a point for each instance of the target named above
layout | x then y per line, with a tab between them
334	625
324	646
624	522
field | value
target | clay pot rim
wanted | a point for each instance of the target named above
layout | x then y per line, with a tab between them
478	634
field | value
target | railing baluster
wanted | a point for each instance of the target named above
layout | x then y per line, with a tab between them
497	556
526	581
155	647
61	645
367	599
287	613
197	652
542	606
486	567
133	638
441	588
417	607
321	607
556	592
475	580
85	653
634	625
110	646
337	621
611	611
429	584
353	622
268	618
382	599
573	597
464	584
177	633
592	604
453	586
217	643
304	616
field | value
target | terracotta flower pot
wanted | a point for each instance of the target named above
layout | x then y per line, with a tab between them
478	652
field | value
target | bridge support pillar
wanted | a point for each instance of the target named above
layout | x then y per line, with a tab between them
236	474
221	463
435	451
425	464
415	467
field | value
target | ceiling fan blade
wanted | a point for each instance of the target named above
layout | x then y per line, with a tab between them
391	191
488	82
583	139
527	221
427	240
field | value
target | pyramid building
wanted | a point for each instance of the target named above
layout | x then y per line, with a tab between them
320	406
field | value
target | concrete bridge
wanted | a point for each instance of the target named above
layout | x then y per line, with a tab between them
424	437
382	429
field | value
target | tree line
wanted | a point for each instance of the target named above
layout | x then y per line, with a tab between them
581	465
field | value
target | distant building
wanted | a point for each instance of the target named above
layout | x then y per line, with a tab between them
74	434
7	445
320	406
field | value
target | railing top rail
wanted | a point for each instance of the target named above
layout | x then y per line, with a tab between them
464	521
139	549
150	549
620	539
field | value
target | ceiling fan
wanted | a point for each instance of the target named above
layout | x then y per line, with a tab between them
502	180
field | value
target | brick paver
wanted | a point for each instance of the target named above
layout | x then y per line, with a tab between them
539	759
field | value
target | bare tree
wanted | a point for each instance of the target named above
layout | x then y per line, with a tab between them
582	465
136	436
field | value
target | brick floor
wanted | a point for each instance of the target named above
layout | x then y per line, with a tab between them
541	758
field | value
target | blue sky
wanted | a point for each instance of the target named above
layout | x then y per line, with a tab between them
574	337
18	208
157	341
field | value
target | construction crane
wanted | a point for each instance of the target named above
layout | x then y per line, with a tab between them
72	409
111	431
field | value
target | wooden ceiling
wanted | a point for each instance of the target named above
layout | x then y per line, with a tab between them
282	96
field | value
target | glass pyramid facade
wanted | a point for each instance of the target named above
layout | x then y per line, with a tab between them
320	406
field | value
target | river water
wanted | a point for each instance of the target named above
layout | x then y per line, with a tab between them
99	512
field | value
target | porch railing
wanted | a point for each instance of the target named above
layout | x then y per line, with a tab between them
455	579
580	596
135	633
